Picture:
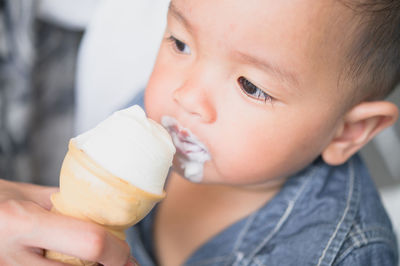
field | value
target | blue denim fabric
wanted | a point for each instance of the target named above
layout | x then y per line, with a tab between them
323	215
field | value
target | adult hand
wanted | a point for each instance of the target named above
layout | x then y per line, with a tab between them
27	228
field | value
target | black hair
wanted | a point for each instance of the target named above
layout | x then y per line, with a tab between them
374	54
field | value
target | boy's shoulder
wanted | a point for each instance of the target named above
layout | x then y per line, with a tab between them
370	239
334	216
323	215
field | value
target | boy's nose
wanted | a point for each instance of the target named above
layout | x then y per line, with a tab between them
196	101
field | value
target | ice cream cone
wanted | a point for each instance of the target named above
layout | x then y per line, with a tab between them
91	193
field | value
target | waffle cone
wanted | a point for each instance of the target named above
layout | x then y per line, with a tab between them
91	193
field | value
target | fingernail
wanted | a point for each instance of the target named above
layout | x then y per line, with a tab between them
132	262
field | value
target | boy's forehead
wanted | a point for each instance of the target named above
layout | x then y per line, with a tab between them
305	17
301	35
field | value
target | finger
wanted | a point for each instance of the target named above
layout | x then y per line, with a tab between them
116	252
27	257
77	238
132	262
40	260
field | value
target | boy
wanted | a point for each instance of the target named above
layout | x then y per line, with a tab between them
253	92
266	101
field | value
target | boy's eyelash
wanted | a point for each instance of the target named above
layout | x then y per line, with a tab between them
171	39
179	46
253	91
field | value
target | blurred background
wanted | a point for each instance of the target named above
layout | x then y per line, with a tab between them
66	65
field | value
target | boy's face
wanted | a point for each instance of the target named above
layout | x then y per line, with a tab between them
255	81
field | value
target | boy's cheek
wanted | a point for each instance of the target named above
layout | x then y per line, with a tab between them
153	109
157	100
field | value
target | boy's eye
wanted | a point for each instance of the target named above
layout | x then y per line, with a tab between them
252	90
179	46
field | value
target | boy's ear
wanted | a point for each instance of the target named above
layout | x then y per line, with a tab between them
357	128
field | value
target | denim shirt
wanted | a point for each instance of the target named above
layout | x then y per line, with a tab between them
323	215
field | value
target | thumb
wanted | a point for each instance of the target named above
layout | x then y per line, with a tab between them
28	192
39	194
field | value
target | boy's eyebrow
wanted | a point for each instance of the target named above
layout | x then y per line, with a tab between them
270	68
179	16
275	70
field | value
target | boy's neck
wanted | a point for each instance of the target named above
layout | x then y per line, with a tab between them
235	201
193	213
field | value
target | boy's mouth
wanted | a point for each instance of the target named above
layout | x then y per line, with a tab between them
191	152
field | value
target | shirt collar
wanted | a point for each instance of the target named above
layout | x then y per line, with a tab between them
320	201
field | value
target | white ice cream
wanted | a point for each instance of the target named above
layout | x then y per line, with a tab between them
132	147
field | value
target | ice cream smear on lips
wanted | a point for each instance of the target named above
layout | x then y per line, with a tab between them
132	147
192	153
